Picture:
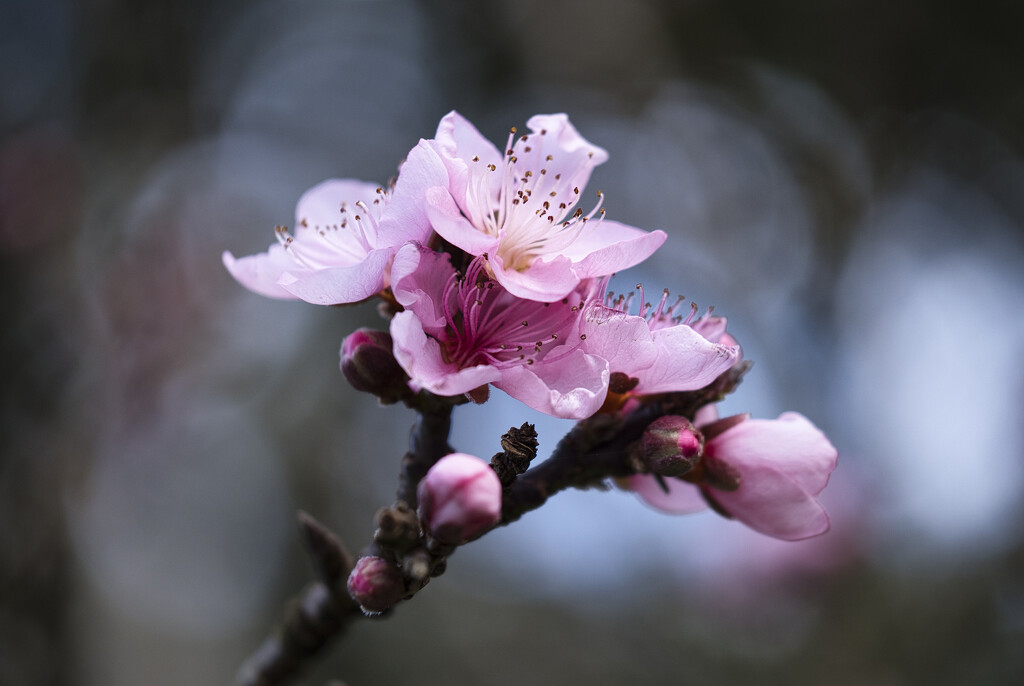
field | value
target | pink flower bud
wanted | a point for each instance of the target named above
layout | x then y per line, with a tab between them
460	498
376	584
370	366
671	446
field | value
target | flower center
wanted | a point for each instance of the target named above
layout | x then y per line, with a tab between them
531	205
351	238
488	325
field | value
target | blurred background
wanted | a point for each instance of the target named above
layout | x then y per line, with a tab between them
844	181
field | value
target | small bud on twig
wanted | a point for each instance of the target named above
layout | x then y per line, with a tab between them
376	584
369	364
671	446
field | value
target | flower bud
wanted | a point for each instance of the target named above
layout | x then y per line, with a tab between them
369	365
376	584
671	446
459	499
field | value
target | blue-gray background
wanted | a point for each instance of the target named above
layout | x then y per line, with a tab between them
844	181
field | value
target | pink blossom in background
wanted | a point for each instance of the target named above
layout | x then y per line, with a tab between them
459	498
663	352
346	233
519	207
765	473
460	332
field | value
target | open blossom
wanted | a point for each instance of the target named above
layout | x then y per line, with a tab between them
765	473
520	208
346	233
658	351
460	332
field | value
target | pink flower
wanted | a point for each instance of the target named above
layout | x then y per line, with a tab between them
460	498
520	208
660	352
345	237
460	332
765	473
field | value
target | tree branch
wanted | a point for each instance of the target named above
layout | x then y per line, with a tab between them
595	450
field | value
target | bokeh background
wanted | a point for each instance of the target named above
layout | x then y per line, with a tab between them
843	180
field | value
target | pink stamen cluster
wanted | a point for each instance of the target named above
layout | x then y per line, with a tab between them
487	325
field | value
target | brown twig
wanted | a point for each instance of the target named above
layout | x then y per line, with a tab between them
595	450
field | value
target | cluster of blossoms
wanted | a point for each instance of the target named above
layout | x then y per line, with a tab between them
494	272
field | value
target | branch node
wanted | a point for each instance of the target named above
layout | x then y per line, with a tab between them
519	449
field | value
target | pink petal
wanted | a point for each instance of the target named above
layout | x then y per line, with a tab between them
449	222
458	142
547	280
418	278
610	247
790	443
573	387
405	218
713	329
420	356
321	204
705	415
260	273
624	340
767	501
686	361
682	497
782	464
340	285
574	157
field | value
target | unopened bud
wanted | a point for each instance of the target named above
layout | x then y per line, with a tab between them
369	364
671	446
459	499
376	584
